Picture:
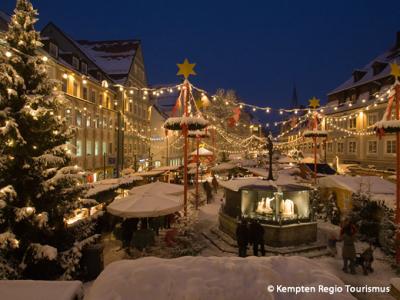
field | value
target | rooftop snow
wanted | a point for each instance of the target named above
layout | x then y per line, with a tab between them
283	182
388	57
114	57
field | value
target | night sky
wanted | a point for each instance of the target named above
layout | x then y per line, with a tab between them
258	48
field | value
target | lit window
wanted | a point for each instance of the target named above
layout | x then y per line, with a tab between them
88	147
104	123
88	121
75	90
372	119
352	147
340	147
104	148
78	148
372	147
93	96
353	123
96	148
391	146
78	119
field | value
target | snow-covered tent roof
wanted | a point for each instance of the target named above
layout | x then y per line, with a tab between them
158	186
198	277
372	184
150	173
110	184
223	167
167	168
284	183
150	200
202	152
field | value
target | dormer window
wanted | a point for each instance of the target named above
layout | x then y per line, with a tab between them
358	74
378	67
75	62
84	67
53	50
99	76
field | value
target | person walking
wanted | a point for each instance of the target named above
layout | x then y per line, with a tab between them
348	250
242	237
215	184
257	237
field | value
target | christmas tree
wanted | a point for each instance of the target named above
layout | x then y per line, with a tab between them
38	187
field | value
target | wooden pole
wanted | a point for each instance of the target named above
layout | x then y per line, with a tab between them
197	171
315	148
213	144
185	148
397	87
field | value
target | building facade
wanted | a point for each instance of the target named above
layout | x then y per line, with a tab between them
349	117
107	104
355	106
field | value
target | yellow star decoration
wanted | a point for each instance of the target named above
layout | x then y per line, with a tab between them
395	70
314	102
186	69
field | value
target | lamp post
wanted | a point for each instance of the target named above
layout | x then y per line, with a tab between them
270	148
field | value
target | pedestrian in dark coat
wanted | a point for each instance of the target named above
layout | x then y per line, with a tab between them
208	190
348	250
257	237
128	227
215	184
242	237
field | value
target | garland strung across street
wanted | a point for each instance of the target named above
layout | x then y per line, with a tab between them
326	111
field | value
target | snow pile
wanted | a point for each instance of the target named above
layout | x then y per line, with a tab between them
210	278
44	251
38	289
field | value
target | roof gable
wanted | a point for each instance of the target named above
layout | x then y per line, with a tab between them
376	69
114	57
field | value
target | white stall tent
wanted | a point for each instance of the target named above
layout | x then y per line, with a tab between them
150	200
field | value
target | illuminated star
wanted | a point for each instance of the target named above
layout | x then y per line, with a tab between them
314	102
395	70
186	69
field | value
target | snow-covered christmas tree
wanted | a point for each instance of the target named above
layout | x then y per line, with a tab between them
38	187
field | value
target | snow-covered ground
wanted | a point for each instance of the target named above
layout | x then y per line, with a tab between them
381	265
212	278
207	219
